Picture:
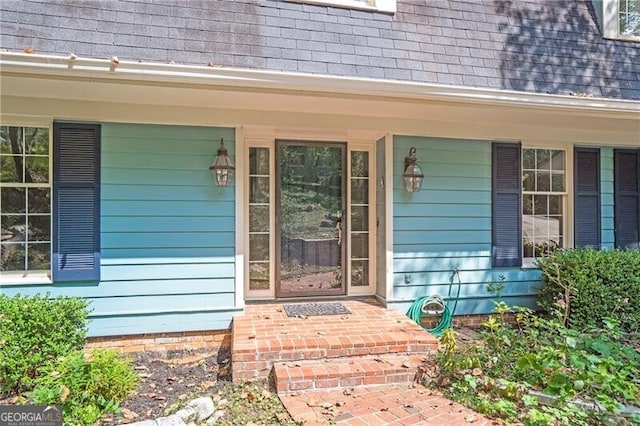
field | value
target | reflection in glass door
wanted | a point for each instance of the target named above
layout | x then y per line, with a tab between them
310	227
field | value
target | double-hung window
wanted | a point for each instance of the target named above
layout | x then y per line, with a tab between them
25	200
543	202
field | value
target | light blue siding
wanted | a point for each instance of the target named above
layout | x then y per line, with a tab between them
606	197
167	234
446	227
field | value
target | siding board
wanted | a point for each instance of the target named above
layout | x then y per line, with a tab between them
167	234
447	227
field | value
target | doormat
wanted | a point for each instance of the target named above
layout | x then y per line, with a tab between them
315	309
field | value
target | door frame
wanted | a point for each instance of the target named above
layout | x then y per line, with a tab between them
248	137
277	230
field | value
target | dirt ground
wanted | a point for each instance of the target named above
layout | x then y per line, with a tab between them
168	380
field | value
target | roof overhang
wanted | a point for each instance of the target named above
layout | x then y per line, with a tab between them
182	75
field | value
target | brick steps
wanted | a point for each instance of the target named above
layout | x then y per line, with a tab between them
265	336
345	372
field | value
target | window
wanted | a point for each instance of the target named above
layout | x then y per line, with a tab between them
25	200
359	209
259	225
387	6
543	199
620	19
629	18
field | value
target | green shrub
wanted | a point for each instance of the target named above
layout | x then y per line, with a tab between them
35	330
86	384
591	286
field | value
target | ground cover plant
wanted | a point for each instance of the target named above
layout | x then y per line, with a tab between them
586	377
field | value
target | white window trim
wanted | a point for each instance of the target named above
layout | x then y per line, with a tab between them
385	6
611	22
567	203
35	277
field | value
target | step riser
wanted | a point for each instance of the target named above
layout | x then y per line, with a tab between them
284	386
252	366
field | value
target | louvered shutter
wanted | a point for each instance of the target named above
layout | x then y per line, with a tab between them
506	247
587	197
626	164
76	200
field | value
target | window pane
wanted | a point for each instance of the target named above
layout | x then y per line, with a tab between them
39	256
36	140
259	247
540	204
529	159
557	160
359	164
37	169
259	161
258	218
39	228
259	190
543	159
359	273
527	204
259	276
555	204
359	191
359	246
39	200
13	200
528	181
557	182
12	257
11	140
359	218
11	168
543	181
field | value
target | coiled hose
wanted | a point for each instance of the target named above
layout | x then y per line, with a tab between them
425	305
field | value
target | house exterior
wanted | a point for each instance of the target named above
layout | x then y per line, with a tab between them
524	116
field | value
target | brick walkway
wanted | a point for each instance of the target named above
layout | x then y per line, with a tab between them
394	404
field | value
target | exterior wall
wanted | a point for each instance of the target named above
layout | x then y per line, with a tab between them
447	226
167	234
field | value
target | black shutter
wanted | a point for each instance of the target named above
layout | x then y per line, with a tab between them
76	201
506	246
587	197
626	164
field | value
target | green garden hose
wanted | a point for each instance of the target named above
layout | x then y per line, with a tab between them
446	315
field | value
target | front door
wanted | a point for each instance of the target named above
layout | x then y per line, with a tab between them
310	208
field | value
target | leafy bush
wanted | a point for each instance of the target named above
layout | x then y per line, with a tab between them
497	375
86	384
35	330
590	286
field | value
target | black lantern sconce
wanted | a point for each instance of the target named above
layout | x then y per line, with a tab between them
221	169
412	172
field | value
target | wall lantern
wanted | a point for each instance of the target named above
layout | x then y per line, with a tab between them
221	169
412	172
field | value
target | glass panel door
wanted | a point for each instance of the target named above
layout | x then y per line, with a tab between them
311	230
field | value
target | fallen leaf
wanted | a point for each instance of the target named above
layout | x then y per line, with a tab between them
347	392
183	396
321	333
384	409
406	364
340	403
251	397
252	336
327	405
471	418
29	50
207	385
128	414
266	393
314	402
407	405
282	417
55	374
64	394
476	372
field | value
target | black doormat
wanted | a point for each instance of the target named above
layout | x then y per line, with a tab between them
315	309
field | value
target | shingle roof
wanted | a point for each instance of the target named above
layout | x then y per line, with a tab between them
545	46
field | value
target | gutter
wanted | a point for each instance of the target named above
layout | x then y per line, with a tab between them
72	67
